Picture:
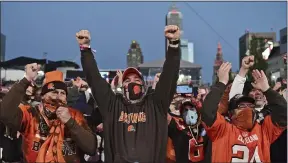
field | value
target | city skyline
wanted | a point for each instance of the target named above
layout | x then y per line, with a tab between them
53	28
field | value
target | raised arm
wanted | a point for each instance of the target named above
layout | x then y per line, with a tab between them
10	113
101	90
276	102
166	86
210	104
240	79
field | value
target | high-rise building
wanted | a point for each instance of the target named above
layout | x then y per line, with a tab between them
134	56
174	17
283	40
191	52
184	50
3	47
218	61
244	42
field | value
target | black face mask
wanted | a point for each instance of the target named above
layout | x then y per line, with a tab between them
134	91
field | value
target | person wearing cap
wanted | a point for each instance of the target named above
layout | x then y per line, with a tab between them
187	134
243	139
135	123
52	132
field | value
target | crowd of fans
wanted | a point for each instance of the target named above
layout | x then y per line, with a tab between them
232	121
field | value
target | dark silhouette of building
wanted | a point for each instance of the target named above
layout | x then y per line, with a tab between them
134	56
3	47
2	52
218	61
244	42
174	17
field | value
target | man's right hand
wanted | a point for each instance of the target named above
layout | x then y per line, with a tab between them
247	62
223	72
31	71
83	38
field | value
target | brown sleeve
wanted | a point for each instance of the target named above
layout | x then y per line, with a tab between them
10	113
224	102
79	129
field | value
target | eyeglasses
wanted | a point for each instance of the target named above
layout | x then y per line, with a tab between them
246	105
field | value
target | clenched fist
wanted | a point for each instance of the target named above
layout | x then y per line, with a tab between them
83	38
247	62
31	71
172	32
63	114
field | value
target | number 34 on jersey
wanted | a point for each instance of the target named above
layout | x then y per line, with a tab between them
244	154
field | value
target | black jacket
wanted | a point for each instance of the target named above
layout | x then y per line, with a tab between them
134	132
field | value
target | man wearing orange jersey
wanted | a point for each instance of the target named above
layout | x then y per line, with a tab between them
243	139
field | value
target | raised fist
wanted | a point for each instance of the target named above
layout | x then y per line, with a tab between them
83	38
172	32
247	62
31	71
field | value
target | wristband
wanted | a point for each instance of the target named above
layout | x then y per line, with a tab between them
84	47
174	42
89	47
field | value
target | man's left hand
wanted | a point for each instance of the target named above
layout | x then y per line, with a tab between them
63	114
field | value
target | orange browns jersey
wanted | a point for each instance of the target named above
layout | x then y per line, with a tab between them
233	145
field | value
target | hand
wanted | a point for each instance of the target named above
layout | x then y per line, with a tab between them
223	72
63	114
155	81
83	38
277	86
260	80
99	128
18	134
172	32
120	76
81	84
247	62
31	71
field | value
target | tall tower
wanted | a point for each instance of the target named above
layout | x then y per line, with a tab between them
174	17
134	55
218	61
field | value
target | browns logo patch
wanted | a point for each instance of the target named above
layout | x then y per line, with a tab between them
50	86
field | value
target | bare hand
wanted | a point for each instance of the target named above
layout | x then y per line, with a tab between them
172	32
260	80
223	72
99	128
247	62
31	71
63	114
120	76
83	38
80	83
156	79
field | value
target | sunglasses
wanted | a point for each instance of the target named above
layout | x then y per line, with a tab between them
81	37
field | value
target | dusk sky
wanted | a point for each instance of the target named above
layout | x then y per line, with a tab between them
32	28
